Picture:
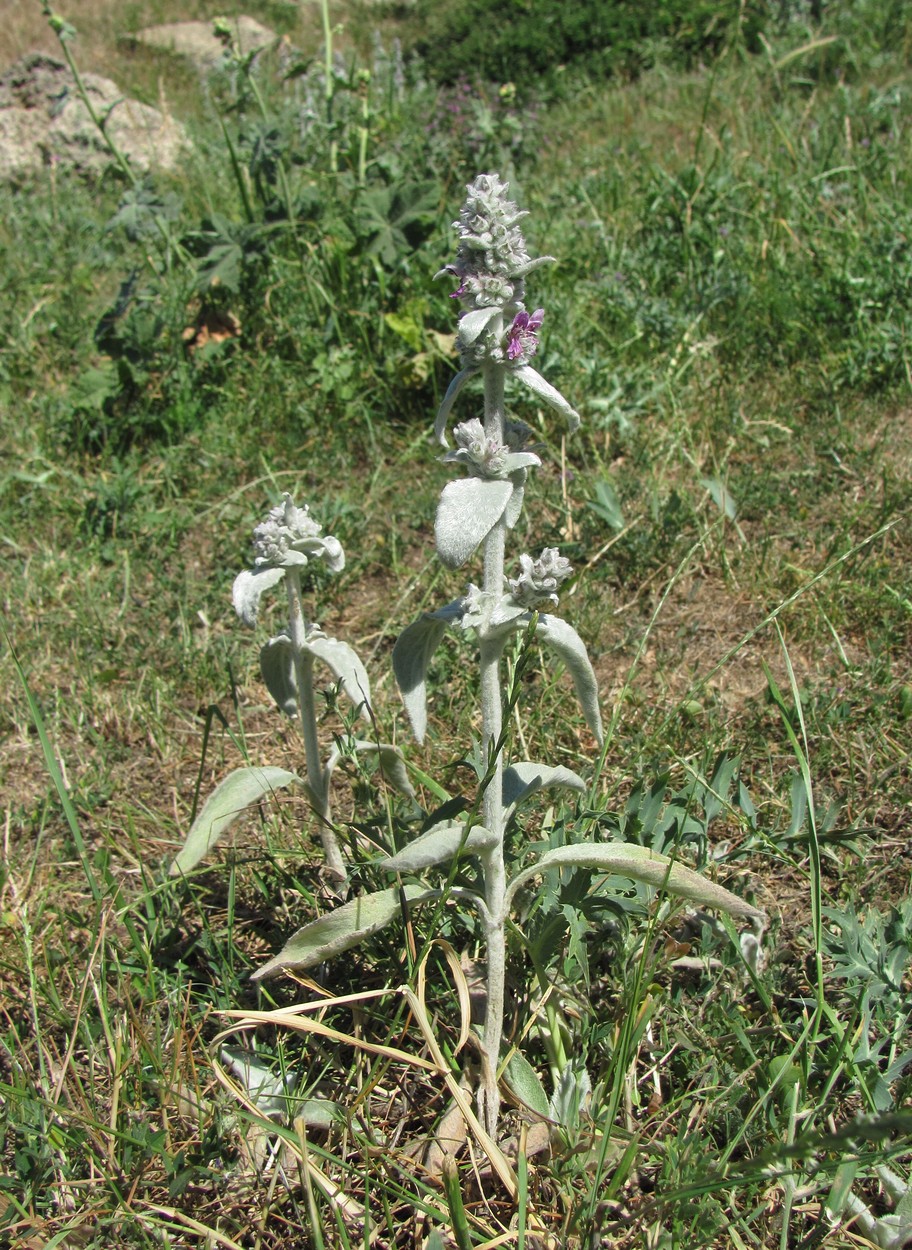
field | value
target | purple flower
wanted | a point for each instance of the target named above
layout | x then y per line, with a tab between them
522	337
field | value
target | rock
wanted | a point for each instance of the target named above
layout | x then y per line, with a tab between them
199	42
43	120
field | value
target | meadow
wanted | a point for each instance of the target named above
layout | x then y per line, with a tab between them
730	209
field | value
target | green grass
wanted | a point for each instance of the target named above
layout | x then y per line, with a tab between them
730	313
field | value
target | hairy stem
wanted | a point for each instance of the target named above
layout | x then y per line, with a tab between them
493	811
307	717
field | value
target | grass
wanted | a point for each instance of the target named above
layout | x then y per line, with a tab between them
730	313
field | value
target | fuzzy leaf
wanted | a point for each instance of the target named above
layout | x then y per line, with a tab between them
230	799
347	669
468	511
342	929
473	324
522	779
449	398
566	643
277	668
389	758
436	846
411	657
524	1082
544	390
641	864
247	589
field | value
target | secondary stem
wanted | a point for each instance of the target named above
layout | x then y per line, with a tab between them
307	716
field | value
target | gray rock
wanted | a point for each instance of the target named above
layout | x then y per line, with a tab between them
198	41
44	120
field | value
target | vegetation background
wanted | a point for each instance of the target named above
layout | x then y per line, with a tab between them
727	190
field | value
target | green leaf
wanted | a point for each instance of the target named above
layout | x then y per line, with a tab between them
523	1081
436	846
340	930
468	511
607	505
640	864
229	800
566	643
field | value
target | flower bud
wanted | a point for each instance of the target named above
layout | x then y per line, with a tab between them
540	580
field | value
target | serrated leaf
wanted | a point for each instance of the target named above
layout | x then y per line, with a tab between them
436	846
522	779
412	656
544	390
248	589
346	667
468	511
524	1082
449	399
640	864
229	800
569	647
340	930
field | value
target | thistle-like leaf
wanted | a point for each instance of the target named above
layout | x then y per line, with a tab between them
544	390
449	398
248	588
522	779
347	669
229	800
342	929
436	846
640	864
566	643
468	511
411	657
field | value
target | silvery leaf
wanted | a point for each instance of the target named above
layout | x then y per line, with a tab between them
436	846
566	643
515	502
267	1090
340	930
229	799
524	1082
474	323
640	864
548	393
247	589
277	668
522	779
449	398
412	655
389	758
468	511
346	668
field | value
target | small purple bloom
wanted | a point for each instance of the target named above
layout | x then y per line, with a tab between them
522	337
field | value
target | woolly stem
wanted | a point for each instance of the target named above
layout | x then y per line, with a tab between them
493	810
307	718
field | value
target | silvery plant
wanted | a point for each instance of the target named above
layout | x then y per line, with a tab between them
497	340
285	543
